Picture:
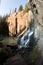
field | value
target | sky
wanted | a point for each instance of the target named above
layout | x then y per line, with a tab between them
7	6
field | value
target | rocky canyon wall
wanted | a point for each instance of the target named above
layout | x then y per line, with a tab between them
37	9
19	22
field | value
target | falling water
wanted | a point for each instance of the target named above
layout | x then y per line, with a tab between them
25	39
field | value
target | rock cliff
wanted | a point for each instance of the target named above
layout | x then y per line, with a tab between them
19	22
37	9
11	23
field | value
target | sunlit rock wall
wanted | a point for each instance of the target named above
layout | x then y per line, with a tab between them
19	22
23	21
11	20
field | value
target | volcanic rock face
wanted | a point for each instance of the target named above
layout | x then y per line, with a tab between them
19	22
37	9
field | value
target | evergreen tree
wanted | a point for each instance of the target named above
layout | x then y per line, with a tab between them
26	8
15	9
20	8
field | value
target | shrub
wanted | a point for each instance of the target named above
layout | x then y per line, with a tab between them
31	56
3	27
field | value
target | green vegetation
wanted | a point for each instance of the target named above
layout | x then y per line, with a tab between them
26	8
15	9
20	8
32	56
1	49
3	26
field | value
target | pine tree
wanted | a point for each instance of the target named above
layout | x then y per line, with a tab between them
20	8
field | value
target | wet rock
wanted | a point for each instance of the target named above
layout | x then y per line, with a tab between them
37	9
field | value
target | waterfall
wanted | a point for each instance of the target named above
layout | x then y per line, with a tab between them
27	36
